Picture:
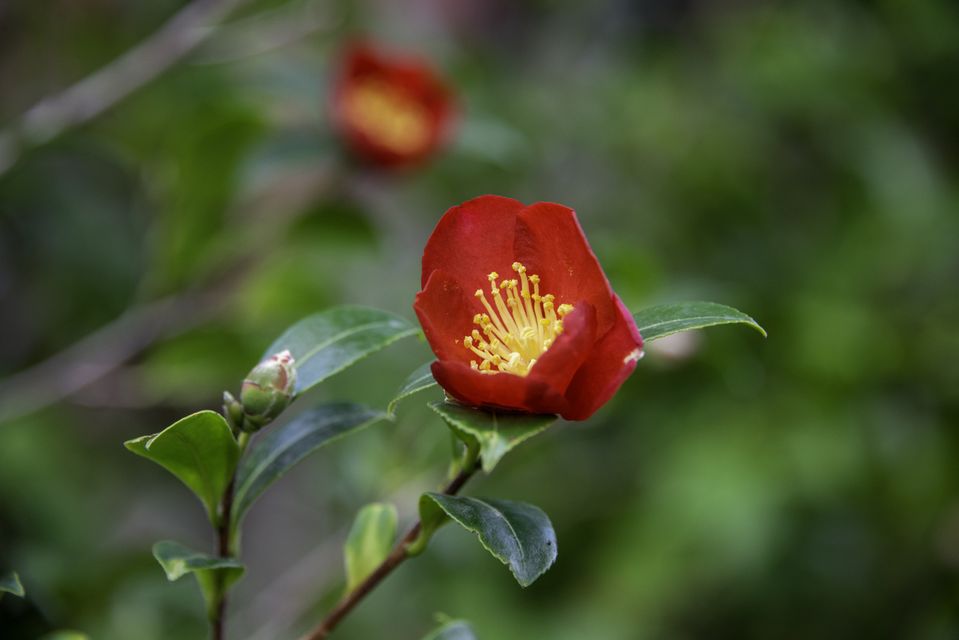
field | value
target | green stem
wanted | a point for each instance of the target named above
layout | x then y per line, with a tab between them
411	542
224	549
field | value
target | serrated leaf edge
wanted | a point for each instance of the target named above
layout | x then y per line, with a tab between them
475	532
488	463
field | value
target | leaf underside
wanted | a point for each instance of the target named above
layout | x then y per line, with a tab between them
369	542
420	380
495	432
453	630
178	560
10	583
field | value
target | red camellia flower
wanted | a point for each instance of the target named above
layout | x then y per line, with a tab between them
391	110
519	313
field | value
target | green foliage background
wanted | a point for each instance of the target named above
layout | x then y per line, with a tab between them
798	161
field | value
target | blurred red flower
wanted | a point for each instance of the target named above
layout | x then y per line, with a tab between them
502	341
391	110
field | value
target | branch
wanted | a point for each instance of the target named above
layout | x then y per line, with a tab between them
396	557
104	350
99	91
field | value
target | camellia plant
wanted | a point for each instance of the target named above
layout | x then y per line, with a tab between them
391	110
525	328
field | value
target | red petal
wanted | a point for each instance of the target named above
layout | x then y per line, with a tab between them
499	391
611	361
471	240
550	242
410	74
539	392
446	313
561	361
361	59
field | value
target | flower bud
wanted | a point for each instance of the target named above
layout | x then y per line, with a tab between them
267	390
233	410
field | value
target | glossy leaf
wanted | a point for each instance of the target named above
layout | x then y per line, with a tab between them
325	343
495	432
420	380
178	561
369	542
280	448
10	583
667	319
199	450
453	630
518	534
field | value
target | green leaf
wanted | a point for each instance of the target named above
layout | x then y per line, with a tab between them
453	630
420	380
270	457
325	343
66	634
369	542
667	319
495	432
518	534
10	583
178	560
199	450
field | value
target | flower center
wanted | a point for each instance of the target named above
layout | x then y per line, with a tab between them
387	115
515	332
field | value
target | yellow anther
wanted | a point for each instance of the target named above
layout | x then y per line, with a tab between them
387	115
519	325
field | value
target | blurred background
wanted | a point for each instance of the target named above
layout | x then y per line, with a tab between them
161	223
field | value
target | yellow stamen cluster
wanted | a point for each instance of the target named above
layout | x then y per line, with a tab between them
517	328
387	115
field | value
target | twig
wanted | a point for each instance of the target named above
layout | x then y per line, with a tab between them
396	557
99	91
104	350
224	548
223	544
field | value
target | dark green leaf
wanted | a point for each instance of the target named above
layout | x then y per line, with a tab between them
420	380
369	542
518	534
199	450
328	342
453	630
281	448
666	319
495	432
178	560
10	583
